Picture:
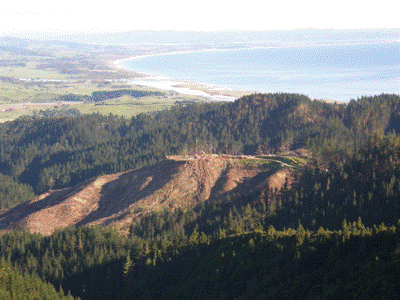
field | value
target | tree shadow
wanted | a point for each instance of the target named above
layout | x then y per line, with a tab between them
130	188
12	218
115	199
244	185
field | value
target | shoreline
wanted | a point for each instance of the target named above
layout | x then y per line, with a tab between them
208	91
205	90
211	91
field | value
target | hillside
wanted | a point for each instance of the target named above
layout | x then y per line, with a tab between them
54	152
117	199
248	223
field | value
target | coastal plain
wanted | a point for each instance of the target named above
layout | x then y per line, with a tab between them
38	75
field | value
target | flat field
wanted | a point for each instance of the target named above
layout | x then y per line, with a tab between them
128	106
35	76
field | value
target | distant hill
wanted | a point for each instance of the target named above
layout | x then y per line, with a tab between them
230	37
23	46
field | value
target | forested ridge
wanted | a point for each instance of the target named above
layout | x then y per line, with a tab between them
46	152
334	233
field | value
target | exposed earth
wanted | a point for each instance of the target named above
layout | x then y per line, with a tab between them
119	198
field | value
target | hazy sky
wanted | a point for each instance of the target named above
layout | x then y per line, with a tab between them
21	16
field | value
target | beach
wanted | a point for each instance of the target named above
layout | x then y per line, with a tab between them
336	71
208	91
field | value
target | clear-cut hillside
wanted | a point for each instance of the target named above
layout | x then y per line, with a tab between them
119	198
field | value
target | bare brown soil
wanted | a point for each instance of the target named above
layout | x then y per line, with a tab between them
119	198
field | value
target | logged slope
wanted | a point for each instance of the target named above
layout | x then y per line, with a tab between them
119	198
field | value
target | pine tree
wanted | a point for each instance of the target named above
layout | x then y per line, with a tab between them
127	265
300	235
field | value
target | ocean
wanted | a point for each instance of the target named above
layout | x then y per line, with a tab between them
332	72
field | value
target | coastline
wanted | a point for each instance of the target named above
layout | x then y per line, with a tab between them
205	90
211	91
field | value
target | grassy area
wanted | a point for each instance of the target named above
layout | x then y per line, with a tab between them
18	93
19	97
34	74
291	160
12	115
300	161
259	162
128	106
41	88
123	106
34	92
31	72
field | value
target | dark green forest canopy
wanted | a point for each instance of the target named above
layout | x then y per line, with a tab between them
12	192
367	185
270	244
105	95
95	263
55	152
15	284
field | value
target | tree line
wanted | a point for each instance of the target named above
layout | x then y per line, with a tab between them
105	95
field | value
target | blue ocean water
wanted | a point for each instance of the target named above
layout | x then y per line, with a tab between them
336	72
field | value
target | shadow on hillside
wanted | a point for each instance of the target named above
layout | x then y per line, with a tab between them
129	188
11	218
244	186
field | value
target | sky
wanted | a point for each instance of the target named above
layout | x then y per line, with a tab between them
22	17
